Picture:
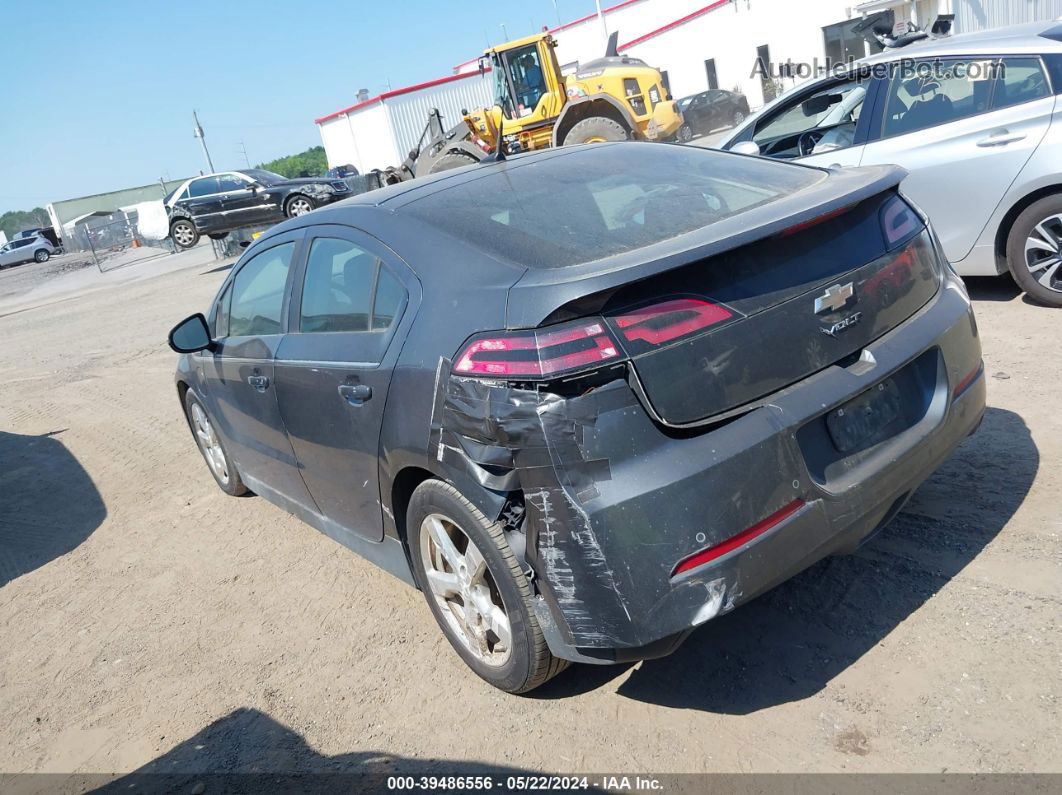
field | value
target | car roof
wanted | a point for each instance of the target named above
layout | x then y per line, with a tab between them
1014	39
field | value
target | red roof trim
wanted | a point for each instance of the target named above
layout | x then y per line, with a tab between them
568	25
669	26
397	93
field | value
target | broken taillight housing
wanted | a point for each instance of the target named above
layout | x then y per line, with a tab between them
535	353
587	343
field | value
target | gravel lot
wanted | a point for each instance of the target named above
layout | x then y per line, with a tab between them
149	622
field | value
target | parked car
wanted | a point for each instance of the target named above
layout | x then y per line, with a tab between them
26	249
218	203
974	118
536	388
710	110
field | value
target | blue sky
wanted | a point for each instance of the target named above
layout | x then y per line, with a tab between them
99	96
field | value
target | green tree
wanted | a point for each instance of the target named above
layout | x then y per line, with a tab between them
311	163
15	221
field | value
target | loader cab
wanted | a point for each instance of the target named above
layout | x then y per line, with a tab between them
527	82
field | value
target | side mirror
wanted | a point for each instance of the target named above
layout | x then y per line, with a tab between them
191	334
746	148
255	187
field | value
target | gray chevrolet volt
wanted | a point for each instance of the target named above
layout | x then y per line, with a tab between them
590	398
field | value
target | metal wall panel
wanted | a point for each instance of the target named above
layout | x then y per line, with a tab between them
409	112
973	15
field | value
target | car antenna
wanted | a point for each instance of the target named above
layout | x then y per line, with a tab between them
498	155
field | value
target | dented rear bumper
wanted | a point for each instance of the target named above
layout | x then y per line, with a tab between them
614	501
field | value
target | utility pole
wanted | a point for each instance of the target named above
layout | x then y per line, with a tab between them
505	33
243	151
198	132
601	16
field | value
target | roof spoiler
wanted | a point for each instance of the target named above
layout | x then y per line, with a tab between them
883	30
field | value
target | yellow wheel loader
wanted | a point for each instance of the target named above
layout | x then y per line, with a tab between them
614	98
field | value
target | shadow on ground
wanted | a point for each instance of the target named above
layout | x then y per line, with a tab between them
248	751
992	288
789	643
48	503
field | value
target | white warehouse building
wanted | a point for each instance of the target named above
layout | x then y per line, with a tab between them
697	46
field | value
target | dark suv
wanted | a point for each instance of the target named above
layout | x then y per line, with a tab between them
218	203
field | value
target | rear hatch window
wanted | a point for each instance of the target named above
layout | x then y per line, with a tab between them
758	318
596	202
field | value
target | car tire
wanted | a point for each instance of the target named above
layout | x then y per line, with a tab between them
737	118
596	129
41	255
452	160
685	134
297	205
183	233
210	444
516	665
1034	250
218	235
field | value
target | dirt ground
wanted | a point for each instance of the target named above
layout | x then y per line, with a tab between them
149	622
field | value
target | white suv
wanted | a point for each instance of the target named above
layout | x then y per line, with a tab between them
24	249
977	121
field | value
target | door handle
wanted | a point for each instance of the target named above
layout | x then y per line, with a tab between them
355	394
259	382
1001	138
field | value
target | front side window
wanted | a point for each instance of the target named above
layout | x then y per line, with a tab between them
347	289
822	121
938	93
230	182
221	315
1020	80
258	293
203	187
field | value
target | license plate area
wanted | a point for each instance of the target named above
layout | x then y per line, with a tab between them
867	418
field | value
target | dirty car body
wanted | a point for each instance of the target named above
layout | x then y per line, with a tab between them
676	376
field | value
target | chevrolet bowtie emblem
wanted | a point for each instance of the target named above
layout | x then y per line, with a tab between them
835	298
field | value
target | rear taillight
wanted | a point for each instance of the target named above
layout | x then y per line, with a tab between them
898	221
644	329
538	352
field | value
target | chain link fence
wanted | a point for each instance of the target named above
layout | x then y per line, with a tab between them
114	240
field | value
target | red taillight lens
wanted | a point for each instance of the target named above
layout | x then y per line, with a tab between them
538	352
898	221
742	538
643	329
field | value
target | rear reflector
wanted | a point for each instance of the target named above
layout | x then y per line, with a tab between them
643	329
758	529
967	380
538	352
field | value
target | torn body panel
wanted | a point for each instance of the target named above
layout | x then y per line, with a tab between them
614	500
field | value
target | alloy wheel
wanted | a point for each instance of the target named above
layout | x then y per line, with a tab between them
183	234
738	117
1043	252
464	590
299	206
209	444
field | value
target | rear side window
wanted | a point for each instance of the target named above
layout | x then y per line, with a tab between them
203	187
347	289
595	202
1020	80
938	93
258	293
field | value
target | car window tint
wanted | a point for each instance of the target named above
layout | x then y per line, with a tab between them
594	202
839	103
938	93
337	291
1019	80
203	187
389	297
258	293
230	182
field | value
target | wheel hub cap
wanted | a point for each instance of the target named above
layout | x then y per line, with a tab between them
1043	252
